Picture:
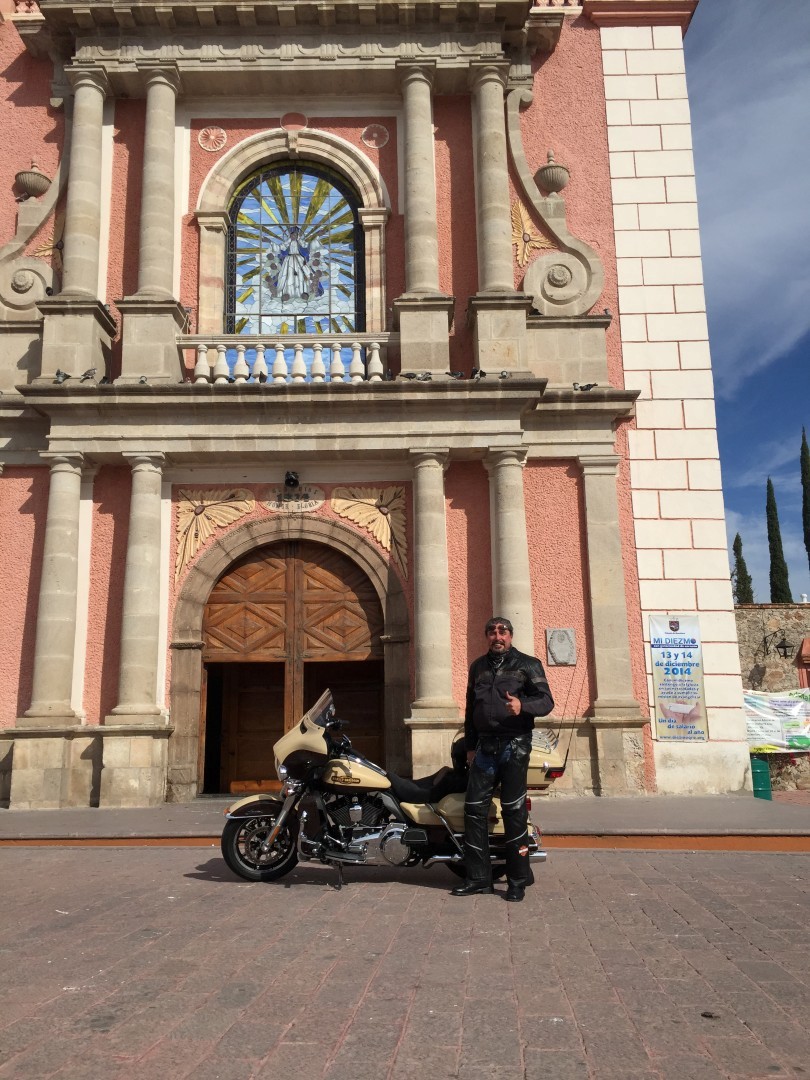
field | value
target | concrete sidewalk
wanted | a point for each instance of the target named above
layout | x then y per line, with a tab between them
659	815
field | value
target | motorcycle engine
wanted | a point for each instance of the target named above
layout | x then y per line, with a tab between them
363	823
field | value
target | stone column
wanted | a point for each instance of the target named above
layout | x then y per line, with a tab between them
493	216
421	227
82	233
156	266
140	618
511	587
152	317
617	719
434	712
56	614
497	312
422	314
77	329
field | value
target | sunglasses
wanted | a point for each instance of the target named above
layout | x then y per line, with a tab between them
498	630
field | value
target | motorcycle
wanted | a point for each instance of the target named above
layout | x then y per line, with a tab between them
340	809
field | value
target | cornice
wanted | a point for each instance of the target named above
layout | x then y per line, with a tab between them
640	12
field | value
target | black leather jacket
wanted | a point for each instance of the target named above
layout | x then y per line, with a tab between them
487	712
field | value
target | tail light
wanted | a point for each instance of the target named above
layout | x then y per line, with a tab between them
555	774
528	803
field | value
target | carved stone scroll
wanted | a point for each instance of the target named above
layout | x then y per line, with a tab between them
564	282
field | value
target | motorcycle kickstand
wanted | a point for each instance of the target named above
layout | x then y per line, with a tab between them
340	882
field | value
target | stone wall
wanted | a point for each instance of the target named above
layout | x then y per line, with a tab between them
762	666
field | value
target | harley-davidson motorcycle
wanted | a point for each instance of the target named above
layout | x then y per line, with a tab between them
338	808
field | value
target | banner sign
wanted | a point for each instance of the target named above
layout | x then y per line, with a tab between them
778	723
677	664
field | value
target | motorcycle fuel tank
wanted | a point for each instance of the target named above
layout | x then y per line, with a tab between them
353	774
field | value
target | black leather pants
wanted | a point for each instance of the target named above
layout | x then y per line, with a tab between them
504	762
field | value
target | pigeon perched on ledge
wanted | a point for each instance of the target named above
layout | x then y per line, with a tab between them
585	386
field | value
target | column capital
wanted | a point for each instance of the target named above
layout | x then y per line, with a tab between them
63	462
482	71
598	464
145	460
416	70
508	455
167	74
426	458
96	78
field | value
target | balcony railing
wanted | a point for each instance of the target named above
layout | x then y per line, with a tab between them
295	358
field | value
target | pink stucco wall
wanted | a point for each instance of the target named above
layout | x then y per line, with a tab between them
568	117
555	523
111	493
30	128
469	564
455	213
23	506
125	209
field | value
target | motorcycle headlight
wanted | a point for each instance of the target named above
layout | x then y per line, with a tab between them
281	770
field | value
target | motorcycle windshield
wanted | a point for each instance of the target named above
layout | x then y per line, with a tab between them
321	712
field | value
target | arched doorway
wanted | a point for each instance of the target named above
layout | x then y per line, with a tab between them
282	624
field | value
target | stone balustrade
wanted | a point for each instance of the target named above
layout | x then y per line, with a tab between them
295	358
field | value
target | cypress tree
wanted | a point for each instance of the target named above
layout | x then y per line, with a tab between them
743	586
780	585
804	458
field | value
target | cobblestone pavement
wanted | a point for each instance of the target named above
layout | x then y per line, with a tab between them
142	963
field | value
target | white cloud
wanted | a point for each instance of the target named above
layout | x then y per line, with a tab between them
749	83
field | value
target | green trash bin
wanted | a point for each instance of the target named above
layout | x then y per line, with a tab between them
761	776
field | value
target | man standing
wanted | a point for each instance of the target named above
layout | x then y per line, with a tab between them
506	690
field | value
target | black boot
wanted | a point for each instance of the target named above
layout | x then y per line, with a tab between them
515	893
471	888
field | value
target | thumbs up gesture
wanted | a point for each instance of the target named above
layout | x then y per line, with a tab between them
513	704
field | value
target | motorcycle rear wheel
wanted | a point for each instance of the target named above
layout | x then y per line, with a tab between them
242	840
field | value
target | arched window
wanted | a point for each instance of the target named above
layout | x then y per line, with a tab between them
295	259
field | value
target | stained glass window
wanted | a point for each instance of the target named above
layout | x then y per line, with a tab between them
294	254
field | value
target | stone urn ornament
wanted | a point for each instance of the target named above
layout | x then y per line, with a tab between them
552	177
33	182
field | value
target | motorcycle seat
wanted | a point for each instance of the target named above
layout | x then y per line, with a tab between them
428	789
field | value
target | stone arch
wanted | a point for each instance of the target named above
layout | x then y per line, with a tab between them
320	147
187	641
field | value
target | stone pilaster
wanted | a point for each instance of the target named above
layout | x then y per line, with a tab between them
616	718
511	588
152	318
56	614
140	618
78	329
434	713
213	225
423	313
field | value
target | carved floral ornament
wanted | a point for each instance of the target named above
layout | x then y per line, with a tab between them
212	139
203	510
381	512
525	236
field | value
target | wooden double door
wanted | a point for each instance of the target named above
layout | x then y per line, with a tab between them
282	625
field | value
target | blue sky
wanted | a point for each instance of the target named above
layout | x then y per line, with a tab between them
748	72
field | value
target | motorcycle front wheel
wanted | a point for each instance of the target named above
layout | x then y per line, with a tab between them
243	840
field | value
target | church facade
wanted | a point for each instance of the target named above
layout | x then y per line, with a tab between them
326	331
